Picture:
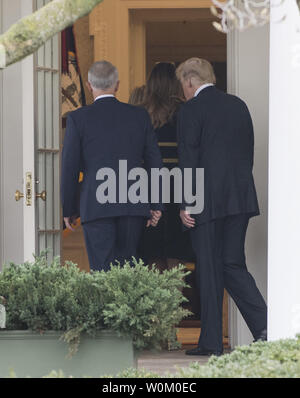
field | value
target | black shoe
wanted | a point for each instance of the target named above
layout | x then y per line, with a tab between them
202	351
262	336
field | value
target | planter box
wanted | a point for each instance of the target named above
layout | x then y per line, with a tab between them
30	354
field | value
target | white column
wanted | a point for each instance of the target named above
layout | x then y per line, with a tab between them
248	78
284	173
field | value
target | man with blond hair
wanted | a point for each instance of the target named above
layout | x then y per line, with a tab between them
215	133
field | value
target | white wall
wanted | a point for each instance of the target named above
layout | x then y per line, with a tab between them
11	212
248	77
1	128
284	173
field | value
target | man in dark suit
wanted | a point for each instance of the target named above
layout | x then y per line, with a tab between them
97	137
215	133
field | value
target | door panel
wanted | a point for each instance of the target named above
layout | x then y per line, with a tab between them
11	148
30	146
47	140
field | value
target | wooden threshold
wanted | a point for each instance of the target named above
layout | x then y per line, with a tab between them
190	336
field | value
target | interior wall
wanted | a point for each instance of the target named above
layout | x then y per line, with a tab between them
284	171
248	77
11	148
180	40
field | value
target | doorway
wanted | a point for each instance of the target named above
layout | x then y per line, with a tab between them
161	35
175	39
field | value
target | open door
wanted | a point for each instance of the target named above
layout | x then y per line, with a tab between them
41	146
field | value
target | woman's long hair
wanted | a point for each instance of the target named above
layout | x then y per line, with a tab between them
163	94
137	96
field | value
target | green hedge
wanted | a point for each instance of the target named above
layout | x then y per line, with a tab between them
278	359
135	301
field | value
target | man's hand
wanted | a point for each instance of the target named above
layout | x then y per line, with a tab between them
69	221
155	217
187	220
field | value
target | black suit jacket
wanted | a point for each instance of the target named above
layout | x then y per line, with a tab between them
98	136
215	132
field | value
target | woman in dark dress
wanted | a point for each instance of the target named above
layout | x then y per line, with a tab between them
165	245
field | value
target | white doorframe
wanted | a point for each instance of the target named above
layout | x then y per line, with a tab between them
248	77
232	88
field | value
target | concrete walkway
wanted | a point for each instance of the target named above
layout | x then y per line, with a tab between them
166	361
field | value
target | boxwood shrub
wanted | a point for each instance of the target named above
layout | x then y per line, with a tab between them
133	300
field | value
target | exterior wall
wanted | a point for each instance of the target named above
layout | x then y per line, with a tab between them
248	77
1	129
11	212
284	172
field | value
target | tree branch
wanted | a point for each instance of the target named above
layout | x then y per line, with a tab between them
29	33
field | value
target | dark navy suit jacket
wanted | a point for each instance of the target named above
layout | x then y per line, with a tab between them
98	136
215	132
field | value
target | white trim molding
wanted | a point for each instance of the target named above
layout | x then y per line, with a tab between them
248	75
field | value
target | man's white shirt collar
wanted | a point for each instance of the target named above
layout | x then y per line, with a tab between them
103	96
202	88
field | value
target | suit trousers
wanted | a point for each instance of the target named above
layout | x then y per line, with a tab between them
219	248
112	238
